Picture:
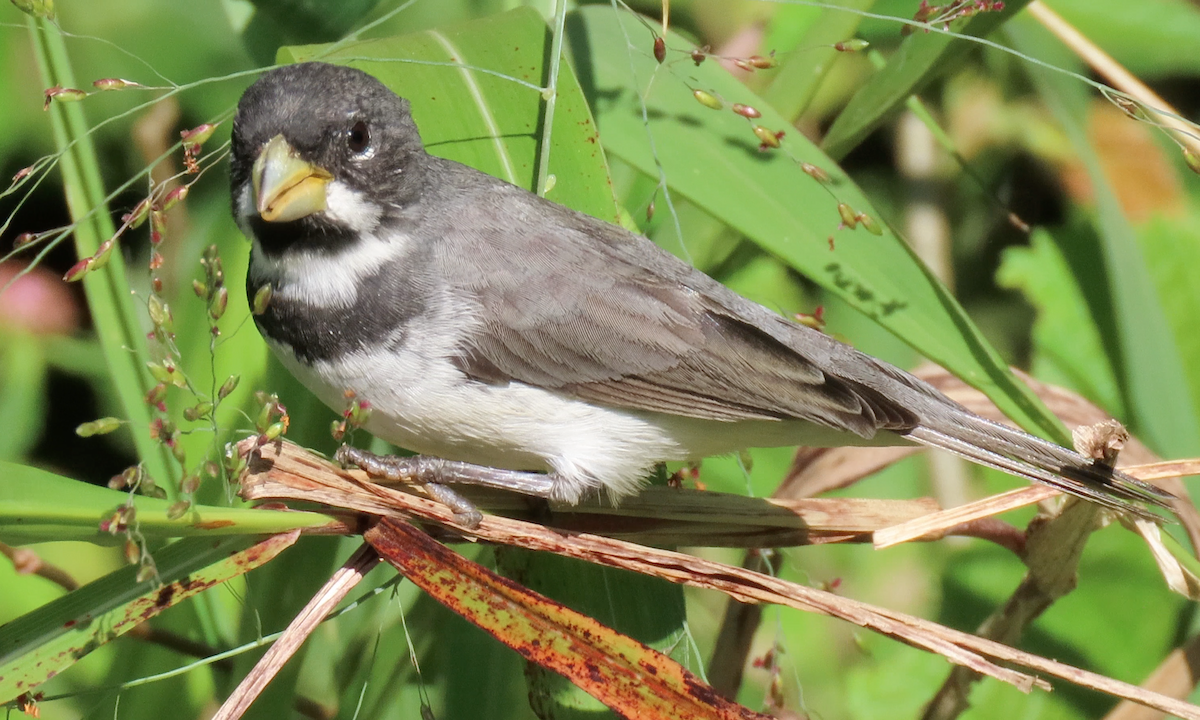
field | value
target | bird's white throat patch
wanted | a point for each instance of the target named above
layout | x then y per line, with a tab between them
323	278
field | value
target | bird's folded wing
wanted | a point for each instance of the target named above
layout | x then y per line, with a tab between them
613	331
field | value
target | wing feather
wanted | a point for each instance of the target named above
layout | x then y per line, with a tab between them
588	312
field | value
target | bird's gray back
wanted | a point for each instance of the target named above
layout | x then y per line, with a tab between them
568	302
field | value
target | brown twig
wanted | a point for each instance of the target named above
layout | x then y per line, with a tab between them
684	517
1053	549
1182	131
936	525
28	562
285	472
301	626
1175	676
314	710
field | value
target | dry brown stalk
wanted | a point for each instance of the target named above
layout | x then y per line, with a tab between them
284	472
1176	676
943	522
297	631
1179	129
938	524
684	517
27	562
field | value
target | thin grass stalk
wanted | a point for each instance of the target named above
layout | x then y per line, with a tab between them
112	305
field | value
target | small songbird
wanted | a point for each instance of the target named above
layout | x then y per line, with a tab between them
489	326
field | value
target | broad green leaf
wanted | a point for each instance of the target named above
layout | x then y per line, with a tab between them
43	643
642	607
502	676
1172	250
39	506
711	158
1150	369
921	58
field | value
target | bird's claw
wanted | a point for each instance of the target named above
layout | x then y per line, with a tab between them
414	471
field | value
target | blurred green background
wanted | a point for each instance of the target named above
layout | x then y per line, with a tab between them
1099	298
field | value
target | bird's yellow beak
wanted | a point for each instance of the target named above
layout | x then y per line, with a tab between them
287	188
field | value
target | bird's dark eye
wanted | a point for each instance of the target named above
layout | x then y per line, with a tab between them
359	137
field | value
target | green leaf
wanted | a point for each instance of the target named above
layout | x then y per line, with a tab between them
711	158
113	311
1068	349
22	393
40	644
922	57
647	609
39	506
1172	250
629	677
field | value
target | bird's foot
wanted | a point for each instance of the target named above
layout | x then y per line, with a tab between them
435	475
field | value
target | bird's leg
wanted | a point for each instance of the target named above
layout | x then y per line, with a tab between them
465	512
435	474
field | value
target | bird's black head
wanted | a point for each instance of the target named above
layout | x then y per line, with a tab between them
321	153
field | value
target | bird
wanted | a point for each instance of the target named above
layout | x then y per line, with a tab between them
491	328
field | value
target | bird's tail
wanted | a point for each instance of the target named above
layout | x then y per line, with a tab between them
1012	451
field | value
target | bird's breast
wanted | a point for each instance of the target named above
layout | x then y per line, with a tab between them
324	306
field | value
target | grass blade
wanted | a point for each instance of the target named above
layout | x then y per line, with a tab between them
921	58
112	308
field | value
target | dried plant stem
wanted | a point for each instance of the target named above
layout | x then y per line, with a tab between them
659	515
1115	73
301	626
1053	550
286	472
937	524
27	562
1176	676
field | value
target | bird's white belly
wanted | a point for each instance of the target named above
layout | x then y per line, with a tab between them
421	402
